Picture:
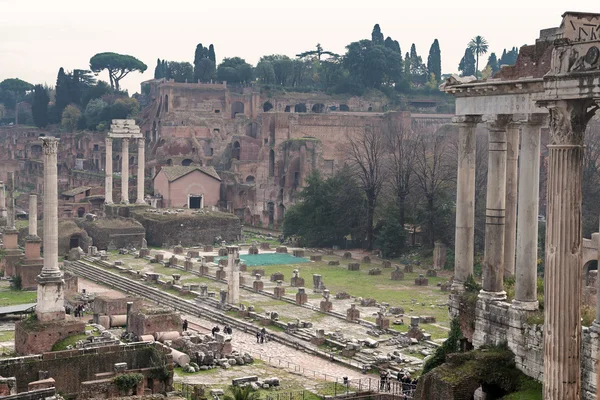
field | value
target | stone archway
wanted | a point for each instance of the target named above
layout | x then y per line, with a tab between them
237	107
267	106
80	212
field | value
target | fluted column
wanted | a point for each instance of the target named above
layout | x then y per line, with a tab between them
125	171
140	171
233	275
527	225
50	295
108	180
512	166
493	260
465	200
563	272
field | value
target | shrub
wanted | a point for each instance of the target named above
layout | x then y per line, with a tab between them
127	382
451	345
16	283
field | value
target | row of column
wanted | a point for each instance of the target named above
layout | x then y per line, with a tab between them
108	185
563	270
503	235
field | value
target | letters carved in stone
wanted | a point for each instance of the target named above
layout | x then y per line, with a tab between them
50	145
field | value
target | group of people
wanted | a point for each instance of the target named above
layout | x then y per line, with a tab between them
77	312
386	378
262	336
226	330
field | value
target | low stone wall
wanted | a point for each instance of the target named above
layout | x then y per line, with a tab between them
123	232
148	322
196	229
71	367
499	322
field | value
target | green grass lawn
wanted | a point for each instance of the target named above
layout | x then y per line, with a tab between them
71	340
6	336
9	297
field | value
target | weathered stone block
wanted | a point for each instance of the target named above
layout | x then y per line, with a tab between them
277	276
258	285
265	246
431	273
382	322
178	250
278	292
281	249
353	267
208	249
333	262
316	258
397	275
297	282
253	250
301	296
143	253
347	255
258	271
326	306
421	281
222	252
193	253
374	271
366	260
352	314
298	253
221	274
409	268
209	259
386	264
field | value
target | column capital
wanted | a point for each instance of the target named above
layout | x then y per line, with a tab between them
108	140
125	140
50	145
466	119
498	122
568	120
141	141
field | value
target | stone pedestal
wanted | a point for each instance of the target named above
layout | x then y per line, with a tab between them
297	282
281	249
221	275
277	276
409	269
382	322
353	267
188	265
208	249
178	250
386	264
203	270
144	253
253	250
173	260
352	314
301	296
258	285
421	281
265	246
279	292
397	275
233	274
193	253
366	260
316	258
439	255
431	273
298	253
326	306
159	257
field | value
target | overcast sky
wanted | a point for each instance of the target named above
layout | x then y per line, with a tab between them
37	37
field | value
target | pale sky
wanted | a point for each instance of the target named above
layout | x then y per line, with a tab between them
37	37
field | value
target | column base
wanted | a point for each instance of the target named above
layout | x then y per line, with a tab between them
595	326
124	201
108	202
492	296
526	305
140	202
457	286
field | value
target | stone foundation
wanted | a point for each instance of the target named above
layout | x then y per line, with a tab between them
35	337
301	297
279	292
28	270
297	282
258	285
352	314
316	258
281	249
150	321
326	306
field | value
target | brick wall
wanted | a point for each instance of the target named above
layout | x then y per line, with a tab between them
147	324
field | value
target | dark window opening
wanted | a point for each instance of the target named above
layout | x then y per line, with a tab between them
249	179
217	111
96	148
318	108
186	162
237	107
195	202
74	242
300	108
267	106
271	163
344	107
296	179
166	103
235	153
287	108
80	213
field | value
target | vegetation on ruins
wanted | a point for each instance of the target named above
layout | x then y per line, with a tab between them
117	65
127	382
451	345
242	393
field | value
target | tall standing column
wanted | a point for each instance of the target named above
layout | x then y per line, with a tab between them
233	275
493	259
140	171
465	200
2	201
50	294
108	180
563	272
10	203
125	171
512	166
527	226
32	215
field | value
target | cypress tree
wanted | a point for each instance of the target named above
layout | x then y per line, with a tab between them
376	35
62	91
198	55
211	54
158	69
39	108
493	63
434	61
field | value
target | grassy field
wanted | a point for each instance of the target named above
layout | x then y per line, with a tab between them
71	340
9	297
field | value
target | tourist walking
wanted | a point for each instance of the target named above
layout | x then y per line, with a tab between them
185	325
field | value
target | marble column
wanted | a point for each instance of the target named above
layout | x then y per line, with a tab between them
465	200
50	293
108	180
125	171
140	171
493	259
512	166
10	202
563	272
233	275
527	226
2	201
32	215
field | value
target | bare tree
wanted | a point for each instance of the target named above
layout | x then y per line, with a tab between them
434	171
401	148
366	153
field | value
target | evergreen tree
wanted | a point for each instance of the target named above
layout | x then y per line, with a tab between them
407	63
75	88
39	108
493	63
434	61
211	54
376	35
158	69
392	45
467	63
63	97
509	58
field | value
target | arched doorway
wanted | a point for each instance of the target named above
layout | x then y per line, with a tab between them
318	108
186	162
237	107
280	213
235	152
75	241
249	179
80	212
344	107
267	106
590	279
271	212
300	108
